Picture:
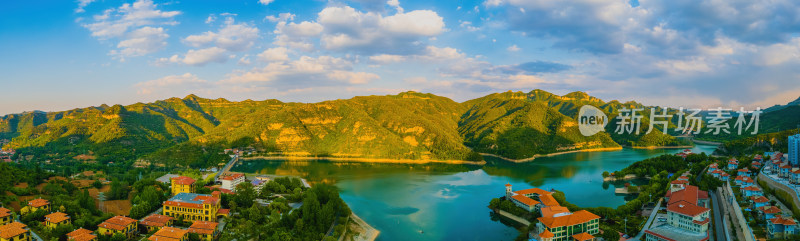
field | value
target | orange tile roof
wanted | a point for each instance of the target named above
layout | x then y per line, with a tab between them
508	184
156	220
183	180
744	170
751	188
582	236
117	223
56	217
231	177
526	200
203	227
168	234
38	202
553	210
781	220
546	234
81	234
4	212
548	200
689	194
679	182
770	209
702	222
575	218
223	211
11	230
533	191
759	199
686	208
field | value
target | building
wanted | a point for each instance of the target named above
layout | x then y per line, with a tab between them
724	176
759	201
54	219
751	191
155	222
206	230
118	225
687	216
36	204
169	234
795	176
769	212
565	226
526	198
713	167
733	164
744	181
794	147
780	227
14	231
717	173
683	178
756	165
785	171
258	185
167	178
81	234
743	172
182	184
194	207
230	181
5	216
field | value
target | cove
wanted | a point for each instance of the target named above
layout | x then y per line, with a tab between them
448	202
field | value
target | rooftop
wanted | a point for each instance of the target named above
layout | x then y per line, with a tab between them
578	217
168	234
156	220
203	227
81	234
538	191
781	220
770	209
117	223
232	176
182	180
583	236
56	217
553	210
548	200
686	208
194	200
668	232
38	202
526	200
11	230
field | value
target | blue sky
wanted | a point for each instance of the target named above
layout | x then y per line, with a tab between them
680	53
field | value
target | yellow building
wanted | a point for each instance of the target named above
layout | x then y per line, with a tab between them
170	234
155	222
81	234
194	207
15	231
54	219
5	216
182	184
119	224
36	204
206	230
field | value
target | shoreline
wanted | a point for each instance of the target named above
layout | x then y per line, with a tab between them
370	233
707	142
366	160
551	154
661	147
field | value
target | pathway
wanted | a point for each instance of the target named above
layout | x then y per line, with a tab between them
649	220
226	168
719	222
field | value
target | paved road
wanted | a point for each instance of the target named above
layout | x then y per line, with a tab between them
719	223
226	168
649	220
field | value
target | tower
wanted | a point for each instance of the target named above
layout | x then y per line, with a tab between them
508	190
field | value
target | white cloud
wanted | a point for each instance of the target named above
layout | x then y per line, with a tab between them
133	24
278	54
185	81
283	17
142	41
305	71
513	48
396	5
265	2
82	4
468	26
231	37
387	58
244	60
204	56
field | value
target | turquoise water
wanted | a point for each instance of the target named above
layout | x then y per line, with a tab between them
448	202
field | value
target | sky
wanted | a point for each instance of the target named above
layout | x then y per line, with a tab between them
679	53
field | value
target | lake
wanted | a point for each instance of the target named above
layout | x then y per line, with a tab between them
448	202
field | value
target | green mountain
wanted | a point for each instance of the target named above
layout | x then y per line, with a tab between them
409	125
777	120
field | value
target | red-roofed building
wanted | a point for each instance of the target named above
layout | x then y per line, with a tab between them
155	222
566	225
81	234
686	211
206	230
527	198
230	181
780	227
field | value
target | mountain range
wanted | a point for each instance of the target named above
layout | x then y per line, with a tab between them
409	125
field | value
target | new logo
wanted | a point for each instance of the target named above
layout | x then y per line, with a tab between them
591	120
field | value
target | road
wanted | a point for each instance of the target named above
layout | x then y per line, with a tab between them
226	168
719	224
649	220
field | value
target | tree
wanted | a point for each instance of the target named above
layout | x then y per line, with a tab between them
605	174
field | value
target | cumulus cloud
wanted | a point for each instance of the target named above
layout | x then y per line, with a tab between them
82	4
278	54
305	71
265	2
198	57
231	36
133	25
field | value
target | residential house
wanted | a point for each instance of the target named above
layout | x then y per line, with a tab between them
744	181
36	204
724	176
81	234
755	165
118	225
758	201
5	216
733	164
751	191
713	167
785	171
170	234
54	219
206	230
15	231
769	212
743	172
780	227
565	226
155	221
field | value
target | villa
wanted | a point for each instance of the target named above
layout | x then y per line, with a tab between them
36	204
769	212
752	191
687	216
733	164
170	234
15	231
713	167
756	165
724	176
206	230
780	227
118	225
5	216
526	198
759	201
580	225
743	172
81	234
156	221
744	181
54	219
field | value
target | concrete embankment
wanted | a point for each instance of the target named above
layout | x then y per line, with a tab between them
551	154
367	160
